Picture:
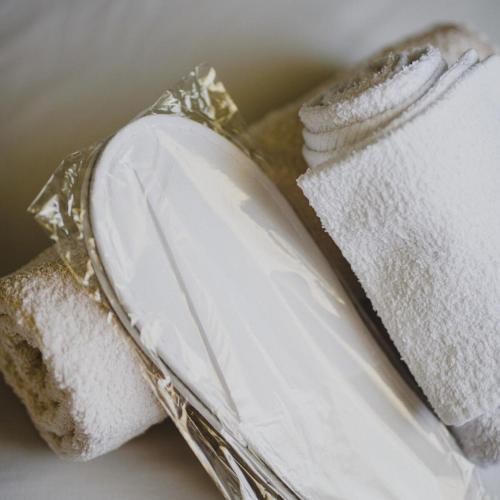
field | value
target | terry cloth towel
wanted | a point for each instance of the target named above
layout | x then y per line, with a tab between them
369	81
412	206
279	136
72	368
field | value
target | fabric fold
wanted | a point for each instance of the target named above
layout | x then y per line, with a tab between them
355	107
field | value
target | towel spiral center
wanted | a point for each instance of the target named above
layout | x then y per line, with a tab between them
352	109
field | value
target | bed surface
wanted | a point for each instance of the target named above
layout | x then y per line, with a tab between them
71	72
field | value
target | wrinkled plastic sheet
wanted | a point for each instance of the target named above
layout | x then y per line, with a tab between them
246	336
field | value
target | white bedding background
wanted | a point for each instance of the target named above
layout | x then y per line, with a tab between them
73	71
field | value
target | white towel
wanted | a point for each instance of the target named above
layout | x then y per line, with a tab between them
451	39
350	111
280	137
72	368
412	207
480	438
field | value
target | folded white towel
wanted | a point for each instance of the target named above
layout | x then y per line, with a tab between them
480	438
350	111
337	117
451	39
280	137
72	368
412	208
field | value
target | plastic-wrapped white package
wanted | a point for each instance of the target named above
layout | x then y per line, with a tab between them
249	339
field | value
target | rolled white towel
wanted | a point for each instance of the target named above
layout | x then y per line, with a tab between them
72	368
351	110
411	205
373	93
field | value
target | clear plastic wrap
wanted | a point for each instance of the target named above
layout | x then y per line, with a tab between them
245	333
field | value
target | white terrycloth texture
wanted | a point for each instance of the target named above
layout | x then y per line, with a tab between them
71	367
279	136
415	213
376	98
480	438
375	92
355	134
365	94
370	97
451	39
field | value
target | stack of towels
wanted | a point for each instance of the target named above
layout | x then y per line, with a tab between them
75	372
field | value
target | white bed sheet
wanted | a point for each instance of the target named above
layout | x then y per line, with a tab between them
71	72
157	465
